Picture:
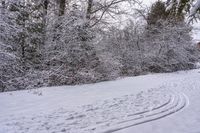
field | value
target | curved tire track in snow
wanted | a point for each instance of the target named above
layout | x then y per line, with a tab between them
176	103
106	116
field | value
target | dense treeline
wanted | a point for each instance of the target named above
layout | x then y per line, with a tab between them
47	42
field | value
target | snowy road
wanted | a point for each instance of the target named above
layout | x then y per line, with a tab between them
156	103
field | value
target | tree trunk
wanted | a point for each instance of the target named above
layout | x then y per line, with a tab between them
62	7
45	7
45	11
3	3
89	10
83	31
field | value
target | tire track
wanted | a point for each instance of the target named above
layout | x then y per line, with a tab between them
177	102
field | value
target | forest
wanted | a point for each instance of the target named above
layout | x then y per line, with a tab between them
71	42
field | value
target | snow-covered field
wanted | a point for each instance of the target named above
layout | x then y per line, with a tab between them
156	103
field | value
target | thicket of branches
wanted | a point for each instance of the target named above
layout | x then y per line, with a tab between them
47	42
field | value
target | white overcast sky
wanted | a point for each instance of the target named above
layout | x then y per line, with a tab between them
149	2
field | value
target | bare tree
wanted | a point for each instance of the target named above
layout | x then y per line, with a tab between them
95	12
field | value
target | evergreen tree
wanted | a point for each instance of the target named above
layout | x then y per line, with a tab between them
192	7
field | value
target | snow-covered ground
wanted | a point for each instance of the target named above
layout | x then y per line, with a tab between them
156	103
